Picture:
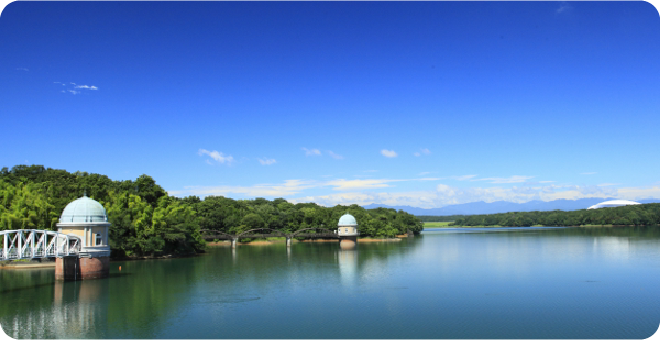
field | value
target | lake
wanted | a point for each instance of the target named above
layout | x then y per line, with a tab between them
446	283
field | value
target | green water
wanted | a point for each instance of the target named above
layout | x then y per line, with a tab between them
448	283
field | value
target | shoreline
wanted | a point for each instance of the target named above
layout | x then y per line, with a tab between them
227	243
543	226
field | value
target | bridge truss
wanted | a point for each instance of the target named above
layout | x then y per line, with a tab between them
34	243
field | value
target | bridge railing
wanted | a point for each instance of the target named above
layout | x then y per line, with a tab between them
314	232
34	243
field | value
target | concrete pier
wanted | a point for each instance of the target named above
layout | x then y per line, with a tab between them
67	268
288	242
73	268
233	243
348	242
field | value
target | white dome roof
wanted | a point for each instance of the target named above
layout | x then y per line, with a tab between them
347	221
615	203
84	210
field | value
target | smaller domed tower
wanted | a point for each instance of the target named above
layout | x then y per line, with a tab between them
348	231
86	219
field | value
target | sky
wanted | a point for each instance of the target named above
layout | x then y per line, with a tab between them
424	104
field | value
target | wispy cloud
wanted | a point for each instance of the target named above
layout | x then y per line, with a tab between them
334	155
588	173
74	88
510	179
388	153
422	151
293	186
311	152
446	195
267	161
289	187
608	184
217	156
564	7
22	69
462	177
92	87
379	191
370	171
424	173
359	184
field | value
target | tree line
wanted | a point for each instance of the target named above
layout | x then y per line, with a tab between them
147	221
445	218
637	215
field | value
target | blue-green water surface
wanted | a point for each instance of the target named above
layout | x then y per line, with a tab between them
446	283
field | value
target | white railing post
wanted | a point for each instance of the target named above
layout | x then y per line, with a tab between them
4	246
31	240
20	244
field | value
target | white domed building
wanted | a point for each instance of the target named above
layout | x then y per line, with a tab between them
610	204
348	231
86	219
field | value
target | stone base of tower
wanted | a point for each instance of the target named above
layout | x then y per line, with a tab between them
72	268
348	242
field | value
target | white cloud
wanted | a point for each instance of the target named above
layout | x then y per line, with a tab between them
637	193
216	155
86	87
423	173
334	155
388	153
563	7
511	179
311	152
289	187
424	151
76	89
363	192
419	199
360	184
267	161
608	184
463	177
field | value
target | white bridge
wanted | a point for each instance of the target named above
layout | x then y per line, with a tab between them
33	243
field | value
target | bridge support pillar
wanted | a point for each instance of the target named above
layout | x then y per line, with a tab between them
233	243
347	242
288	241
67	268
410	233
73	268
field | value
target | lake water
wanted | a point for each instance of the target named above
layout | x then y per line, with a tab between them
446	283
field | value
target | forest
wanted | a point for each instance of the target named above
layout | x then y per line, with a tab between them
630	215
146	221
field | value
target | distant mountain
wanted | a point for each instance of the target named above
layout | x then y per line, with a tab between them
476	208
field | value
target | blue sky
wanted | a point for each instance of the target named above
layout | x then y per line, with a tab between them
423	104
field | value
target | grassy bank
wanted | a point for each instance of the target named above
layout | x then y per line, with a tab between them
437	225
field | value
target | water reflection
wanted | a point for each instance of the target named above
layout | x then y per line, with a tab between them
523	283
348	265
